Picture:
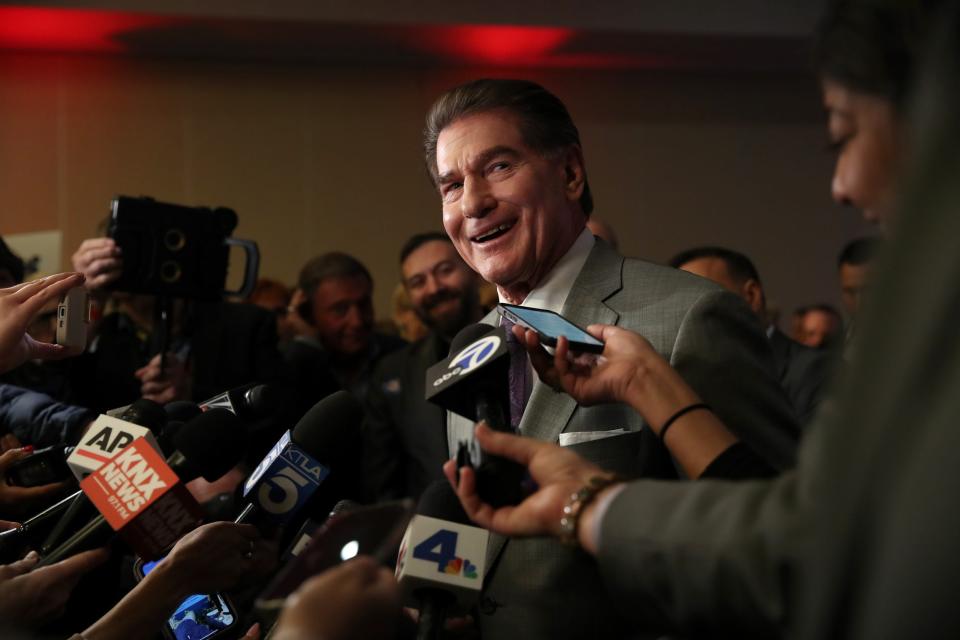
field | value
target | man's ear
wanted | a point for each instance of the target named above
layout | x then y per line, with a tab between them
574	172
753	294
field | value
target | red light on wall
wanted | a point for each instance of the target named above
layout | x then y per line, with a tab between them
42	29
495	44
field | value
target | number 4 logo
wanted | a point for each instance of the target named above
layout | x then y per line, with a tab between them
441	548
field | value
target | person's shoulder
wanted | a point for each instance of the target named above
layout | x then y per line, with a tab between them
657	281
400	356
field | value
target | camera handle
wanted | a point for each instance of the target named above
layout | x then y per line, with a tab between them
251	269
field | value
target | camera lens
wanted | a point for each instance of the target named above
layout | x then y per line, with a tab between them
174	239
170	271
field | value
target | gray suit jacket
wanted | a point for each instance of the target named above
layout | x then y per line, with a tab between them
538	588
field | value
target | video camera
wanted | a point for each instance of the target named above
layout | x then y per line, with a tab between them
175	251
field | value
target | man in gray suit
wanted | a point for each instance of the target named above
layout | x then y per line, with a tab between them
801	370
507	161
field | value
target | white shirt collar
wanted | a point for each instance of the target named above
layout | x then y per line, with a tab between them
552	292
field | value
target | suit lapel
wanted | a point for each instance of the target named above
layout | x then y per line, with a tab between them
548	411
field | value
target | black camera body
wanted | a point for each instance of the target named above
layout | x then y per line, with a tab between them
176	251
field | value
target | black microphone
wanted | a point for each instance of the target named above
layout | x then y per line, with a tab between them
208	446
182	410
30	534
294	469
250	401
473	381
442	560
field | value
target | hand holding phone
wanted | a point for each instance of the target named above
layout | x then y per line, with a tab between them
73	319
550	325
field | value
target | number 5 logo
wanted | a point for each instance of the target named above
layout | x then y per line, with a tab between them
286	481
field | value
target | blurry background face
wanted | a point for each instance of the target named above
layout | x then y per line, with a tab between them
819	329
343	315
863	132
442	288
853	282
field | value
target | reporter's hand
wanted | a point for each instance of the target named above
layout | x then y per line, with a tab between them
99	260
586	377
20	500
19	305
173	383
214	557
557	472
32	598
357	600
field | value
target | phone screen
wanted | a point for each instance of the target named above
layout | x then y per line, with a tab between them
550	324
199	616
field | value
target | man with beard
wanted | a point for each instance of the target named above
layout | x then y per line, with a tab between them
405	440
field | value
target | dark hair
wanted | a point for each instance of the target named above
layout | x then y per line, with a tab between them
872	46
859	251
11	262
420	239
825	308
545	123
329	265
740	266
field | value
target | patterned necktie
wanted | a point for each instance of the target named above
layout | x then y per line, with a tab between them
520	383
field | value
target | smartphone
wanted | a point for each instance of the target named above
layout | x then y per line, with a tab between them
372	531
550	326
41	467
73	318
199	617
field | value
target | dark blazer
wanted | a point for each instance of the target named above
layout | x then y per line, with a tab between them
405	440
313	375
230	345
803	372
537	587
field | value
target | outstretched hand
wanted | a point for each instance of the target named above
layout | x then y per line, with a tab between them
19	305
557	472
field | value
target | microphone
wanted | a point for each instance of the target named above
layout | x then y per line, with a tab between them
49	464
250	401
144	498
182	410
300	461
108	435
474	383
442	560
103	440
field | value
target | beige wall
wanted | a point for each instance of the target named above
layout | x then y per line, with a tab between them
315	159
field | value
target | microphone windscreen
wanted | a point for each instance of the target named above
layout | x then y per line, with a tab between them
439	501
262	400
182	410
330	427
212	443
470	333
146	413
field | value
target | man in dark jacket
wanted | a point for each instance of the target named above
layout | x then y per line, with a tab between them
405	436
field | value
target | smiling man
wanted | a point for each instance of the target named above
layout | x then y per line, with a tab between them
506	159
